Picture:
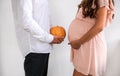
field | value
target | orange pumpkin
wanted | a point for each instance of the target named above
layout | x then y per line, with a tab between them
58	31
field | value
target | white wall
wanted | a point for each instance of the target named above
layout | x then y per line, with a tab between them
63	11
0	43
113	41
10	56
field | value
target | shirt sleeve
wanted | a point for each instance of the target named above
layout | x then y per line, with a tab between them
30	25
110	7
104	3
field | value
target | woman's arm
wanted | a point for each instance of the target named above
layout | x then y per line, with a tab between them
97	28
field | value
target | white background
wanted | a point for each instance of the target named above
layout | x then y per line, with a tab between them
62	11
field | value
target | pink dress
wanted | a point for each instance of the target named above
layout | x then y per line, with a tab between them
91	57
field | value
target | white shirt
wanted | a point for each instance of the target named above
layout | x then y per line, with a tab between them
33	26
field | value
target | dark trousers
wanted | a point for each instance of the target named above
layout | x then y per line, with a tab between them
36	64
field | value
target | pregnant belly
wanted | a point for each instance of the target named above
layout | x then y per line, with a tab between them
77	29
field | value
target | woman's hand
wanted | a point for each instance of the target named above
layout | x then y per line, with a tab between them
75	44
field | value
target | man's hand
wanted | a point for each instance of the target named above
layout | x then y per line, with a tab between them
57	40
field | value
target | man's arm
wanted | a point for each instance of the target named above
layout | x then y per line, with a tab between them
31	25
